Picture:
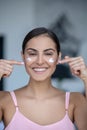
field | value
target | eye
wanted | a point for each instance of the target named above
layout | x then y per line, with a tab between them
49	53
32	54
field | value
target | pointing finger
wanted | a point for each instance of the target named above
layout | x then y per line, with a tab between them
13	62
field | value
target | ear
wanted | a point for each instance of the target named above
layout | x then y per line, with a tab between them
59	58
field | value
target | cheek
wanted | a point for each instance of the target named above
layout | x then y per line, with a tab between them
51	60
28	59
52	63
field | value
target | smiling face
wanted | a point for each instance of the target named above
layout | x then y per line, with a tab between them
40	57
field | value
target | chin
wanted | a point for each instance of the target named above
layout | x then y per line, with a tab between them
40	79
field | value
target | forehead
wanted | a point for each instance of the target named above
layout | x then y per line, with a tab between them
41	43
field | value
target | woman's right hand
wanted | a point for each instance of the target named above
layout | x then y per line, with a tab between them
6	67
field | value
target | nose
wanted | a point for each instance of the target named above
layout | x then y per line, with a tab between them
40	59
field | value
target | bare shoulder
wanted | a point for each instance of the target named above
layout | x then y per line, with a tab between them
79	101
77	97
80	110
4	97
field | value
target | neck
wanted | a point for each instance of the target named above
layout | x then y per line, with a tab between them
39	89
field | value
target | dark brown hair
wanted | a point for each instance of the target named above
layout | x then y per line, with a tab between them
41	31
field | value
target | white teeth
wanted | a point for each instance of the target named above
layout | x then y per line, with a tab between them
39	69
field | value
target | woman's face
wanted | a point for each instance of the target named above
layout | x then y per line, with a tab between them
40	57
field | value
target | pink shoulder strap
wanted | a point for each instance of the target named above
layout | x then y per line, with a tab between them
14	99
67	100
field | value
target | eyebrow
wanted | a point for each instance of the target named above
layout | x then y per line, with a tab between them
49	49
31	49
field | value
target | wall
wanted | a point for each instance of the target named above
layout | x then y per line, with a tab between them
18	17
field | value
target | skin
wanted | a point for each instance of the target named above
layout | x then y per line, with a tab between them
78	68
39	97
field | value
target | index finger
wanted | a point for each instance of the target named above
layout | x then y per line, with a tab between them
14	62
66	60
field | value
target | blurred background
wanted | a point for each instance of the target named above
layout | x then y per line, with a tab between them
67	18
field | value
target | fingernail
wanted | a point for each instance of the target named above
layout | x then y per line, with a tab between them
59	61
22	63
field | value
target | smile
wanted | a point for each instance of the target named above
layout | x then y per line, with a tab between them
39	69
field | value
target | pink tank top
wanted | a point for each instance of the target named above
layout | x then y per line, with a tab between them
20	122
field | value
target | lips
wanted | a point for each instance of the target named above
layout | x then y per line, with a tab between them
39	69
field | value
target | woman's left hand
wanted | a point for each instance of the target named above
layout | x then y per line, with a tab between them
77	66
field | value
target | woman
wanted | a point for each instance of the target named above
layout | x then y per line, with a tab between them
39	105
